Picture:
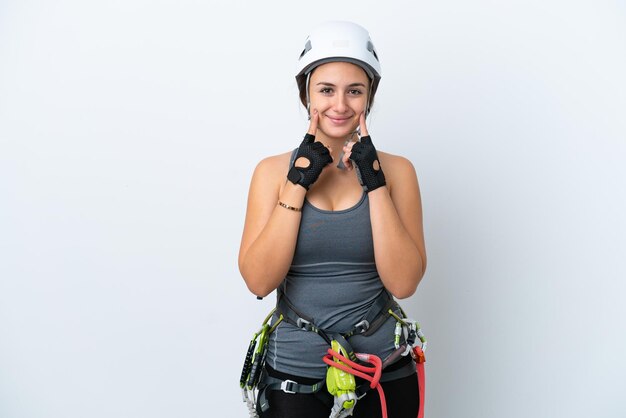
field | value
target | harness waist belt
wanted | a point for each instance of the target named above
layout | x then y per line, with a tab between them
374	318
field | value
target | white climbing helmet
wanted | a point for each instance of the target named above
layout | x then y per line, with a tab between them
339	41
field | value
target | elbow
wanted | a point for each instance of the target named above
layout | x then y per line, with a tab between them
259	290
406	288
402	283
405	291
257	284
409	286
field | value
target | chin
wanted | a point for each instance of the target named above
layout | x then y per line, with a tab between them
334	132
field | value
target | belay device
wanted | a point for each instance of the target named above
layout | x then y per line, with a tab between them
343	364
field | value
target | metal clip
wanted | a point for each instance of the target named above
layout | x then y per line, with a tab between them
362	326
287	385
304	324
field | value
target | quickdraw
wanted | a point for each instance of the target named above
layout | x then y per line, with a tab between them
253	363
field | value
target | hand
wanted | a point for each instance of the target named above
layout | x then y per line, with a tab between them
311	158
364	157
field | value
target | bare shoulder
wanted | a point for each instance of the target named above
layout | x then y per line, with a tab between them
397	169
402	183
269	173
274	164
399	174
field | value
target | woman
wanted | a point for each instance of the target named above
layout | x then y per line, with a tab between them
335	226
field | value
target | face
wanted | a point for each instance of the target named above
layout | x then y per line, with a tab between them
338	90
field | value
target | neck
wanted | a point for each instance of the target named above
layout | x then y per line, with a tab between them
333	141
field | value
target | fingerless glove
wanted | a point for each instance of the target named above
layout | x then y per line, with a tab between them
318	156
364	156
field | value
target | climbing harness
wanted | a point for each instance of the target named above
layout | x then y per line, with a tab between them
344	364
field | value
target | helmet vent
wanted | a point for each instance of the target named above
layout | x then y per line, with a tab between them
370	48
307	48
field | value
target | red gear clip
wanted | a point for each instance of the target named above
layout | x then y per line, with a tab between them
418	354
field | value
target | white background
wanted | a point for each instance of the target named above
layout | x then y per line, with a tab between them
128	134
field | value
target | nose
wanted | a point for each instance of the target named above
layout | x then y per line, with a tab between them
339	104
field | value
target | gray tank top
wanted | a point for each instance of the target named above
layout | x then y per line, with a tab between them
332	278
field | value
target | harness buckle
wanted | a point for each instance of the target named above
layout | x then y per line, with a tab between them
304	324
362	326
287	386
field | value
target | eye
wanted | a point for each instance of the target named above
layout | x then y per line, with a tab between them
355	92
326	90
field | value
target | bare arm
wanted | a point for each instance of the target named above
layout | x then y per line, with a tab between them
270	231
395	215
397	230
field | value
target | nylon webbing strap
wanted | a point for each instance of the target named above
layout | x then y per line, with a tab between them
375	317
287	386
343	343
291	315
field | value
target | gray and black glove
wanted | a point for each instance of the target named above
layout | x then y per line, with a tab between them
364	157
318	156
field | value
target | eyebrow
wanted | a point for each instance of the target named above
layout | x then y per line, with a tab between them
324	83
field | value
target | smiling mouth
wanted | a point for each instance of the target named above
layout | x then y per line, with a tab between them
338	121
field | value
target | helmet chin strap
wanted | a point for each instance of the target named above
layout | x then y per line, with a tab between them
308	98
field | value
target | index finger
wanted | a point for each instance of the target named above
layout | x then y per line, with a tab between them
363	125
313	125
